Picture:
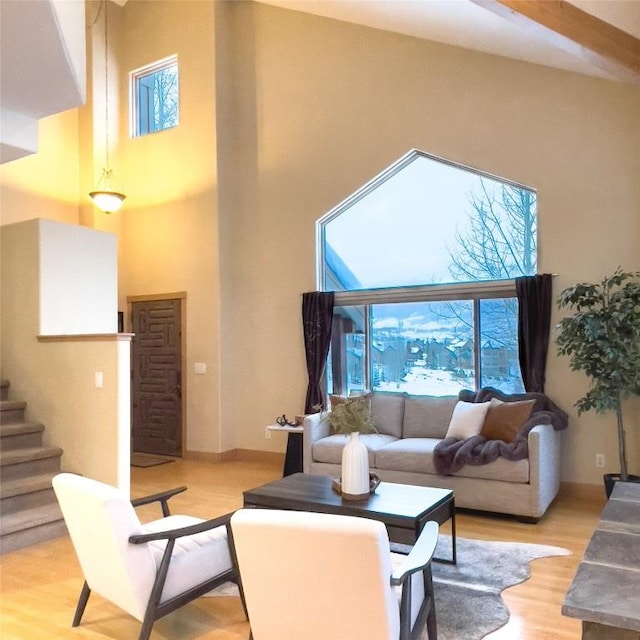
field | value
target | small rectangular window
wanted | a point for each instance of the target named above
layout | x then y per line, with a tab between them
155	97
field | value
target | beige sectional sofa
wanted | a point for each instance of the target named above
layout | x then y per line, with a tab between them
409	427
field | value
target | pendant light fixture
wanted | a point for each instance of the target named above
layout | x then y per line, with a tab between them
106	196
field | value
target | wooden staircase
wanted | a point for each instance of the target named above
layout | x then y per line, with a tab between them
30	512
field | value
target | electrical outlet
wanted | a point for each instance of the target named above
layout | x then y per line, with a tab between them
599	460
267	433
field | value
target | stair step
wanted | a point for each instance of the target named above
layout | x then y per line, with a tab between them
30	518
26	493
12	411
31	461
30	511
19	486
24	528
20	435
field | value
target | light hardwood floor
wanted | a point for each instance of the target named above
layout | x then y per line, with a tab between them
39	586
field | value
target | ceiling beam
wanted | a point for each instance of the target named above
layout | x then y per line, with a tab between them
578	32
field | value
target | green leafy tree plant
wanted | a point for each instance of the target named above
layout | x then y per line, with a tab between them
602	338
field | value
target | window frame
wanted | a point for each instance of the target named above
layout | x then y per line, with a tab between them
474	291
134	99
373	184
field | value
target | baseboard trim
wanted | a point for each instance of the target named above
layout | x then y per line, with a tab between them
583	491
202	456
246	455
253	455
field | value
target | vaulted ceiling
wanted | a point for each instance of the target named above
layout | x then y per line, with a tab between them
593	37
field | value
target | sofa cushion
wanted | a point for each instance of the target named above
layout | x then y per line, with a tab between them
415	455
408	454
329	449
387	411
427	416
504	419
467	419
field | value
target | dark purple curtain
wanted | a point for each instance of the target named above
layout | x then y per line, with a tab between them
317	314
534	326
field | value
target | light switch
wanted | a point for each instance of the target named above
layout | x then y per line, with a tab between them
99	376
200	368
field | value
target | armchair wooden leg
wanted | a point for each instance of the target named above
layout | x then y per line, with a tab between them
432	630
147	623
242	600
82	603
238	580
156	592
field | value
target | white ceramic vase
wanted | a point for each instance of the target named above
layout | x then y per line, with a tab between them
355	482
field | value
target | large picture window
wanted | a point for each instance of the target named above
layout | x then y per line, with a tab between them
423	261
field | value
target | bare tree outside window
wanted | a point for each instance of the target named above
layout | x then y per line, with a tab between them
499	243
156	97
500	240
416	247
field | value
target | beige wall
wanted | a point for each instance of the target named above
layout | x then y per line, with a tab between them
333	104
283	115
169	225
44	185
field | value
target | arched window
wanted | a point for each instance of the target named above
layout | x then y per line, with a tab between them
423	260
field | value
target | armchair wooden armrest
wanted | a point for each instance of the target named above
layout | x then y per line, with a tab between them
173	534
418	560
162	497
420	556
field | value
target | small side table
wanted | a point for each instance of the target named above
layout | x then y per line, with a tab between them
293	455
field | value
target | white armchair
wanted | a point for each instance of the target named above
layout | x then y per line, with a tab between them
148	570
313	575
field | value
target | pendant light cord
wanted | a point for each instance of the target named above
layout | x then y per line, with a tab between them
106	78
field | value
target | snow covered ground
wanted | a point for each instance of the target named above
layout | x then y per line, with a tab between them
436	382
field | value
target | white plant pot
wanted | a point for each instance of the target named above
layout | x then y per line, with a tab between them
355	481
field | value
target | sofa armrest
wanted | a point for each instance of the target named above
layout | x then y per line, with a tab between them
315	426
544	464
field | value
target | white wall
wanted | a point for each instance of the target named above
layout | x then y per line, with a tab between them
78	280
42	67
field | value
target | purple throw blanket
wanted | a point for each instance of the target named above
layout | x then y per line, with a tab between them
451	454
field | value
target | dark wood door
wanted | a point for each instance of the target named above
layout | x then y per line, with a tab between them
156	378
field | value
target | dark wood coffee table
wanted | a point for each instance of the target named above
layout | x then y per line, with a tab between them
404	509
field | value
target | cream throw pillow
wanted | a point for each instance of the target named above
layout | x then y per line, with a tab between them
467	419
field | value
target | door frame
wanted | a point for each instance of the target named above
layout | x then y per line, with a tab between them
177	295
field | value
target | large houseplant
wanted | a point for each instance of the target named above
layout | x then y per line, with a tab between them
602	338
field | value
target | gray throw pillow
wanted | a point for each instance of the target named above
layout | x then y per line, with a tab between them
427	416
387	411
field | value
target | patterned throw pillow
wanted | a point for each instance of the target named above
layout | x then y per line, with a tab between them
504	419
350	414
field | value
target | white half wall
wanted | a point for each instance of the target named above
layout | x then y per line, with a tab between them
78	280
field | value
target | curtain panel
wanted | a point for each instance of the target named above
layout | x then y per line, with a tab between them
534	327
317	315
